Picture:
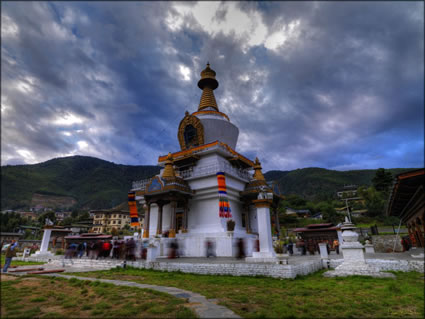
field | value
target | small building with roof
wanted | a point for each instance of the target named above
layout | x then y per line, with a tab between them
314	234
407	201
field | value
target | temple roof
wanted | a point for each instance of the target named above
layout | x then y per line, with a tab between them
185	153
407	185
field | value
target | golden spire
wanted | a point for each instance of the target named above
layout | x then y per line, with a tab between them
207	84
258	174
169	172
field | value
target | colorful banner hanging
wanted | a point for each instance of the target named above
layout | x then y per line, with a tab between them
223	202
132	205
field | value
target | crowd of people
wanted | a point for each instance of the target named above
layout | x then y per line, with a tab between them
312	246
117	249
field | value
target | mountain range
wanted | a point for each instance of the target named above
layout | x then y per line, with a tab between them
91	183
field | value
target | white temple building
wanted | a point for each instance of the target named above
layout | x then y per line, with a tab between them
184	201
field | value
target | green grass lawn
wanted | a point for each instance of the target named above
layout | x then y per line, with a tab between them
43	297
19	263
311	296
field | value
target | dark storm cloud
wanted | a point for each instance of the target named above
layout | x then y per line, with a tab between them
335	85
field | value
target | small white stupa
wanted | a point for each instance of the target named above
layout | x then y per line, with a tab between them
354	260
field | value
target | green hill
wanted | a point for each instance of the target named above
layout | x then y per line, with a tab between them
319	183
92	182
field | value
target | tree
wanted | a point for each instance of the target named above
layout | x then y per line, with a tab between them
374	200
83	216
50	215
382	180
329	213
114	231
67	221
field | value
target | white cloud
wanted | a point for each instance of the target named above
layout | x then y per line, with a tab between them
9	28
247	26
82	145
279	38
68	119
26	155
185	72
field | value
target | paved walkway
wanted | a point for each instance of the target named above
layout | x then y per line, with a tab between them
203	307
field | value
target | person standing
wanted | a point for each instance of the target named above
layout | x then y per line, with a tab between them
241	249
10	253
69	253
291	247
336	246
210	249
80	250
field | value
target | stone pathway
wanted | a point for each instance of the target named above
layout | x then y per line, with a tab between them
203	307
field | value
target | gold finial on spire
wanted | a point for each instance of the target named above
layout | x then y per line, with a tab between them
169	172
258	174
207	84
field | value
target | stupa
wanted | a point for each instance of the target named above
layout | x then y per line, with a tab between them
207	183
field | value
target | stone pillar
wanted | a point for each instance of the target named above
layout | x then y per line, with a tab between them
159	223
172	232
44	249
185	213
247	220
369	249
266	253
323	251
146	221
45	241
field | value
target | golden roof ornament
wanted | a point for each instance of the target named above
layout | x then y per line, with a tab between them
208	84
169	172
258	174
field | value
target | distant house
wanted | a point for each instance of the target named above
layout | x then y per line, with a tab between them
347	191
29	215
60	216
7	237
105	220
359	213
302	213
317	216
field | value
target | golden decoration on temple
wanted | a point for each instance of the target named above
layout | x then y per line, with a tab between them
198	139
258	174
207	84
169	172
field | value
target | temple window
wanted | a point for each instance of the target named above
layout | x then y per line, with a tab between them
190	135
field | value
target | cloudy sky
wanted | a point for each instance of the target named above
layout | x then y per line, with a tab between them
323	84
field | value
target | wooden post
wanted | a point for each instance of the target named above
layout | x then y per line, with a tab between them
159	223
185	213
172	232
146	221
276	214
247	220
